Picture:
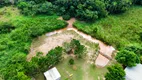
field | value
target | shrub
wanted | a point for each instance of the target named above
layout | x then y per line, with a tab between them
71	61
4	2
53	57
127	58
118	6
45	8
6	27
39	54
35	7
115	72
139	2
22	5
79	50
66	17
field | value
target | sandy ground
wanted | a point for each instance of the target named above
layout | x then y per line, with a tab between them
52	41
101	61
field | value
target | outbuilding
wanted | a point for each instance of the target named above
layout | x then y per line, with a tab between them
52	74
134	73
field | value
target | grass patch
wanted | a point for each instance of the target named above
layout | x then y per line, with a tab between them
117	30
84	70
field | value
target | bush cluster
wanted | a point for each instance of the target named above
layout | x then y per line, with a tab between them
53	57
118	6
6	27
66	17
71	61
33	7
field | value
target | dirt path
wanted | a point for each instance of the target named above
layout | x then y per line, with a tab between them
100	61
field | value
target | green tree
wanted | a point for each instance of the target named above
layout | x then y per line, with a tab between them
71	61
115	72
78	49
53	57
4	2
45	8
118	6
23	5
6	27
139	2
126	58
87	10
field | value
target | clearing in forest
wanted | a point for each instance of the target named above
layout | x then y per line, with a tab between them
85	67
57	38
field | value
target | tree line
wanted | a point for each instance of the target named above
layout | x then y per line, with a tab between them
87	10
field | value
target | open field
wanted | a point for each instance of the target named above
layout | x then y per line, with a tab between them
116	30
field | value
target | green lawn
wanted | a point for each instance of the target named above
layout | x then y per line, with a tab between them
83	71
117	30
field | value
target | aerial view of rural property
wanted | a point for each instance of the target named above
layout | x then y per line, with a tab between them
70	39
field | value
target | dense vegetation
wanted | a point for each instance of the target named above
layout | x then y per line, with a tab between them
117	30
16	35
44	63
6	27
17	32
118	6
88	10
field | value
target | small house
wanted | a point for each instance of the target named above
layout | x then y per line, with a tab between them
52	74
134	73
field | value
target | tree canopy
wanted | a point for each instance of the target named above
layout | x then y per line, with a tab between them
127	58
79	50
115	72
87	10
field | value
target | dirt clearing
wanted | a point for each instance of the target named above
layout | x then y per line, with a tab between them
58	37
